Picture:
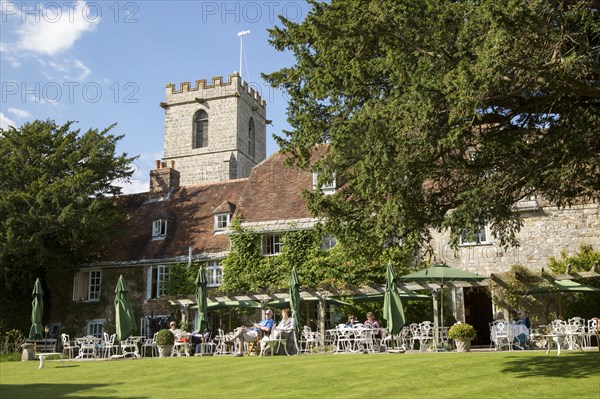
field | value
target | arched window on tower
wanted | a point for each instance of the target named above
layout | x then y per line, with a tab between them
251	138
200	129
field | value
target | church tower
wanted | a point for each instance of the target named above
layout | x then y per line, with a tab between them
214	132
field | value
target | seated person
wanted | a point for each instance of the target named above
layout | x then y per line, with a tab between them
252	333
499	316
174	330
351	321
522	319
285	328
371	322
286	325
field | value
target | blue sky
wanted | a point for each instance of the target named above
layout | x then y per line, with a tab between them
105	62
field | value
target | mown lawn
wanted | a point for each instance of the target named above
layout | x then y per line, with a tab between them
511	375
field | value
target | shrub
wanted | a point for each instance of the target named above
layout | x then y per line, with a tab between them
461	331
165	337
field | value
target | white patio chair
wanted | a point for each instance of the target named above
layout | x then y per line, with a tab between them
426	335
344	340
364	340
307	340
591	331
130	347
575	332
107	347
181	343
501	336
87	348
221	343
68	345
150	343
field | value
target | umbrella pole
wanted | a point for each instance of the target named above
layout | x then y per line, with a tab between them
559	306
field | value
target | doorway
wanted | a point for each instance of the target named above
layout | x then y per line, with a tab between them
478	313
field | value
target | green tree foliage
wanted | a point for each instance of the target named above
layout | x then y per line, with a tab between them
443	114
579	304
54	185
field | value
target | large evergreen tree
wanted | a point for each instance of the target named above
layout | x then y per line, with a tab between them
54	205
443	114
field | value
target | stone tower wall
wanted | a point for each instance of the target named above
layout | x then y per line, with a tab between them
229	105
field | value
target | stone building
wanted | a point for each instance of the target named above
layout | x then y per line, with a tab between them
213	168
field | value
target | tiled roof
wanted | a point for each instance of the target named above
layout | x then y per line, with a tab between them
269	200
274	192
189	211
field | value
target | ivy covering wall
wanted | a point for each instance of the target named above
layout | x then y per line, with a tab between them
245	269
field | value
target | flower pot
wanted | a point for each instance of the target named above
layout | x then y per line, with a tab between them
164	350
463	345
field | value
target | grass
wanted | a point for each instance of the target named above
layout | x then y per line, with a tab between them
512	375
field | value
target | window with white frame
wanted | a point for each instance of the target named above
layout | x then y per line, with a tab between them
87	285
271	244
327	187
95	328
214	273
159	229
157	278
222	220
329	242
477	237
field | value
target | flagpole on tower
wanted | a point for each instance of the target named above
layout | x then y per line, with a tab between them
241	35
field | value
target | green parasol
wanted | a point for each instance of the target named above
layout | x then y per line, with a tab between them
37	310
124	319
294	291
393	312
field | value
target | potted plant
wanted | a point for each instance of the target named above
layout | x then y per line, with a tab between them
462	334
164	342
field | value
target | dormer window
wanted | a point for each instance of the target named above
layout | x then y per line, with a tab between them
200	129
327	188
159	229
222	215
222	221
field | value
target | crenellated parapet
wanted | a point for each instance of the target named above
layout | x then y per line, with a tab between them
219	88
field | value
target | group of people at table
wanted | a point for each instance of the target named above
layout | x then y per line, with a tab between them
283	330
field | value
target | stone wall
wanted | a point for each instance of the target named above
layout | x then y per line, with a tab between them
546	232
229	106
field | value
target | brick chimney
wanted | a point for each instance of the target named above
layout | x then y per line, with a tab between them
163	179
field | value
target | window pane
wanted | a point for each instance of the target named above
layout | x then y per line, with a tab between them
251	136
201	129
214	273
94	285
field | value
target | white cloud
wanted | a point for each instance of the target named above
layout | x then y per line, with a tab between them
85	71
140	180
56	30
5	122
135	187
19	113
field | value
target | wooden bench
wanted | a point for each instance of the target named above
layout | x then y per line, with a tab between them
44	345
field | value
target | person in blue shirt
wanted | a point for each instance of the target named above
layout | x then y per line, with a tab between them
524	320
253	333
